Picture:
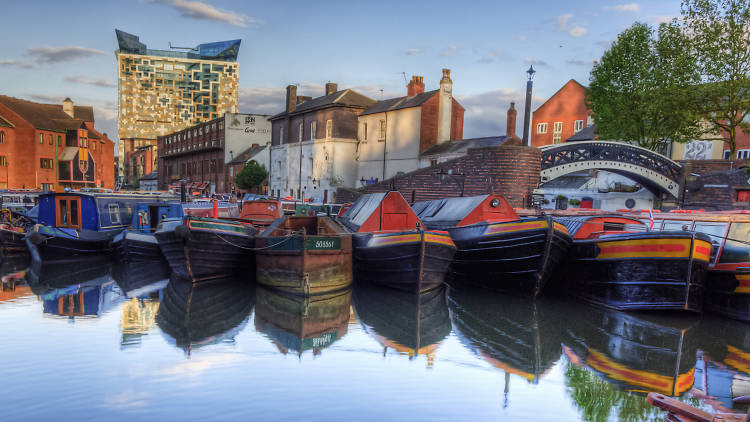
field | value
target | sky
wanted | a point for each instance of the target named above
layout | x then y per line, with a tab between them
50	50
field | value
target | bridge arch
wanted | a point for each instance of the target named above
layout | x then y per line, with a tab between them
654	171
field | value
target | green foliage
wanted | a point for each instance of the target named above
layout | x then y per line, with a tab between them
252	175
574	201
642	89
721	45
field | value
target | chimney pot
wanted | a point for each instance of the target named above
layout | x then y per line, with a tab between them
416	86
67	106
291	98
331	88
510	125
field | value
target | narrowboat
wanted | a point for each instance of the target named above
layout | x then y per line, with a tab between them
137	243
261	212
43	276
296	324
304	255
74	225
519	336
727	285
615	262
408	324
634	351
13	228
209	208
495	248
201	249
135	278
391	248
192	316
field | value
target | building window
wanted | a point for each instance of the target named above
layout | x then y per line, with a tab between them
59	141
329	129
49	139
577	126
433	162
114	213
41	138
743	154
557	133
3	161
313	129
221	125
281	135
364	131
541	128
46	163
2	137
46	187
726	154
381	132
301	129
93	146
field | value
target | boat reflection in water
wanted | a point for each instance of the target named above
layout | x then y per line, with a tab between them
196	315
142	285
412	324
13	286
636	352
723	367
296	324
515	334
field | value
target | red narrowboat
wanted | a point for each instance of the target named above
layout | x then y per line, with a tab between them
496	249
391	248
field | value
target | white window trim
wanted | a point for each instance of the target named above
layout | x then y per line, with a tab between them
557	134
577	126
116	209
541	128
382	129
313	129
301	128
743	153
329	129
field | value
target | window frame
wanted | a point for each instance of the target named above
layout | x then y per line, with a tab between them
578	126
329	128
41	139
382	130
541	128
2	136
301	128
117	213
313	129
557	134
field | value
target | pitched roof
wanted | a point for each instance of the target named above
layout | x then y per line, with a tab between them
48	116
585	88
5	123
247	154
345	98
448	212
462	145
586	134
399	103
361	210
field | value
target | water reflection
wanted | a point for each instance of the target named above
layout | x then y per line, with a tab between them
13	286
411	324
296	324
519	335
196	315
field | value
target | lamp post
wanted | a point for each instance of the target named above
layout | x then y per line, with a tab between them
527	111
459	178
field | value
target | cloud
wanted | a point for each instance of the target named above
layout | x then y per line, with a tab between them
78	79
574	29
448	51
538	63
657	19
493	57
61	54
522	38
412	51
16	63
204	11
629	7
486	112
262	100
578	62
46	98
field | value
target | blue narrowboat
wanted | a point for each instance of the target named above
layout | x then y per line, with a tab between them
138	243
75	225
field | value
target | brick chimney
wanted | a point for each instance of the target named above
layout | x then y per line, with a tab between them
445	107
67	105
510	125
331	88
416	86
302	98
291	98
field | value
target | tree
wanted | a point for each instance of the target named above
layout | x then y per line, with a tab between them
642	89
720	32
252	175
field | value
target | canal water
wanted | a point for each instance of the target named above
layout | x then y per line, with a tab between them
103	342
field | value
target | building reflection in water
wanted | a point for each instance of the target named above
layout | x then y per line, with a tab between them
195	315
296	324
14	286
411	324
141	283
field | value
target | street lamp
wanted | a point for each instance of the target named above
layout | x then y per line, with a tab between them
527	112
459	178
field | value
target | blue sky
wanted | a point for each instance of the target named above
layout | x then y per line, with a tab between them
51	49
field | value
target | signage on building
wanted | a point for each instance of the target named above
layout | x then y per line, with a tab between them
699	150
245	123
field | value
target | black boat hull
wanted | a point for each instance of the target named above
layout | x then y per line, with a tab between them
726	295
12	244
517	256
136	247
50	245
642	271
403	260
199	254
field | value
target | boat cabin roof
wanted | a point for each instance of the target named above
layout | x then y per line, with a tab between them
581	227
463	211
380	212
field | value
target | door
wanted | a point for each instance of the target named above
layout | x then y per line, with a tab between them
153	217
68	210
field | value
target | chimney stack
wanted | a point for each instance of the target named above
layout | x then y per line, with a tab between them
331	88
510	125
67	106
445	107
416	86
291	98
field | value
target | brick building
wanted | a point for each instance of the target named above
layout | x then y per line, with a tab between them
46	146
142	162
198	154
314	143
394	132
561	116
256	152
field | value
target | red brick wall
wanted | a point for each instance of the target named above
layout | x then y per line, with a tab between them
457	121
511	171
712	184
429	122
567	105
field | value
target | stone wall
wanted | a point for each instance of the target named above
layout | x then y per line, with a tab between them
511	171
